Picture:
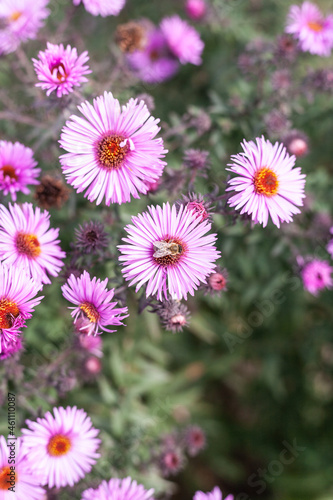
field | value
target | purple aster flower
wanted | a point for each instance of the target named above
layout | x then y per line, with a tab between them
267	184
93	301
17	302
26	482
154	63
171	461
112	152
118	489
61	448
17	168
183	40
102	7
195	440
215	494
61	69
313	31
20	20
316	275
91	237
26	241
169	251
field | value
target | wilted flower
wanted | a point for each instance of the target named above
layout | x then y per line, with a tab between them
131	36
215	494
197	204
195	9
286	49
61	448
276	122
112	151
27	242
313	31
102	7
51	192
17	302
281	80
173	315
154	63
17	168
118	489
171	461
91	237
297	143
266	185
93	301
183	40
195	440
317	275
196	159
26	482
20	21
61	69
169	251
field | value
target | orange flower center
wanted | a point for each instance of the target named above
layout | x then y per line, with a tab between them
61	75
8	312
266	182
15	16
28	244
5	478
111	151
59	445
315	26
90	311
169	253
154	55
9	171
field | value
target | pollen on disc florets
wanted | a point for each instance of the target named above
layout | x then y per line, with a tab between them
266	182
28	244
171	259
90	311
112	150
8	312
59	445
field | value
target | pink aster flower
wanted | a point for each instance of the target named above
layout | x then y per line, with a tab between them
17	302
112	152
20	20
61	448
17	168
266	185
60	69
215	494
183	40
118	489
25	482
93	301
195	9
169	251
313	31
12	348
155	63
102	7
316	275
27	242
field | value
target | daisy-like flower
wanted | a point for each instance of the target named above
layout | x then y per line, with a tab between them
169	251
27	242
154	63
17	168
215	494
313	31
61	448
118	489
267	184
317	275
20	20
102	7
93	301
22	480
17	302
112	152
183	40
60	69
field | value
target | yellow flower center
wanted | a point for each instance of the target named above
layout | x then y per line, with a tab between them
111	151
15	16
266	182
59	445
28	244
315	26
90	311
8	312
9	171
